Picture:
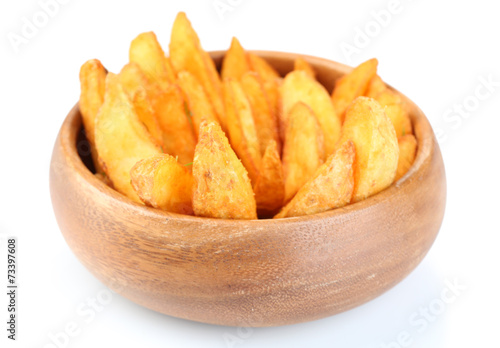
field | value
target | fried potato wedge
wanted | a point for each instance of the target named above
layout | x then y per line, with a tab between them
133	79
407	152
222	188
146	52
241	127
235	62
196	99
170	70
303	149
272	90
266	121
331	186
353	85
377	151
301	64
92	87
121	139
375	87
146	114
178	135
270	80
298	86
397	111
161	182
270	185
136	86
262	67
187	54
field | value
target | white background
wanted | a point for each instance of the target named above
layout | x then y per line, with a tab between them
435	52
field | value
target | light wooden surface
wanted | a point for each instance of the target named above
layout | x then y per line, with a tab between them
250	273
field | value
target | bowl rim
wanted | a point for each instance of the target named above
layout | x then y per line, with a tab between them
72	125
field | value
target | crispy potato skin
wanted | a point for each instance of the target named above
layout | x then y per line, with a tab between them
270	186
377	151
353	85
142	178
222	188
375	87
197	100
266	121
397	111
301	64
241	127
146	52
145	112
303	150
161	182
169	115
270	79
121	138
136	86
92	87
178	135
187	54
170	70
256	83
407	152
331	186
298	86
261	67
235	62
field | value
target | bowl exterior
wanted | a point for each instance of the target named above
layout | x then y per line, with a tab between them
250	273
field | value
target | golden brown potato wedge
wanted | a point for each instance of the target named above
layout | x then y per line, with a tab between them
303	149
272	90
270	80
146	52
367	125
241	127
133	79
197	100
331	186
138	89
375	87
187	54
178	138
92	86
170	70
266	121
353	85
397	111
121	139
298	86
161	182
146	114
301	64
235	62
407	152
262	67
178	135
270	186
222	188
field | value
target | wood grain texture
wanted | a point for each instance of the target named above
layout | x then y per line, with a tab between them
250	273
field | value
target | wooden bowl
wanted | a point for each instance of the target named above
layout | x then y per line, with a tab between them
250	273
